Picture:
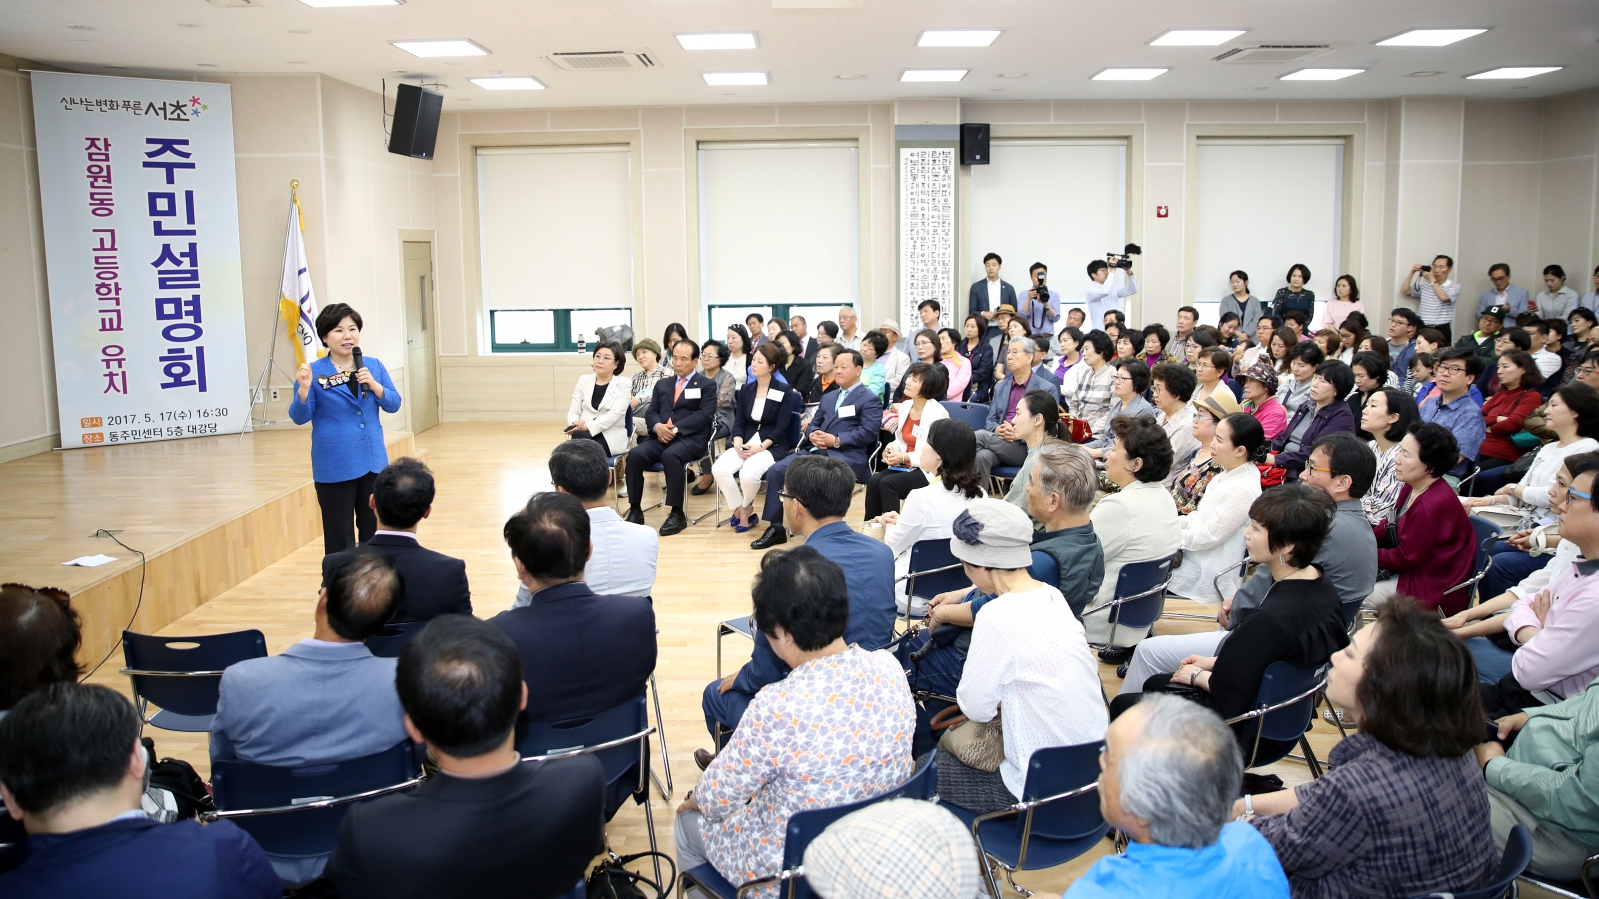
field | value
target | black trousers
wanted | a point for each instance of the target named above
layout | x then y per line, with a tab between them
888	489
1448	330
674	457
597	438
339	501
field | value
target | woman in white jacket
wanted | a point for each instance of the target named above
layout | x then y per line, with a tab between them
908	422
1213	535
600	400
949	458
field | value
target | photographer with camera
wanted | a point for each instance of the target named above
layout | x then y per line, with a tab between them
1100	295
1434	292
1040	306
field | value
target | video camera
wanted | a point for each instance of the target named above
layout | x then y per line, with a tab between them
1124	258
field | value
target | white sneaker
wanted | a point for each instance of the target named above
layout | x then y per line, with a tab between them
622	492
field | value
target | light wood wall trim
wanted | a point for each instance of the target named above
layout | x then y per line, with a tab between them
24	448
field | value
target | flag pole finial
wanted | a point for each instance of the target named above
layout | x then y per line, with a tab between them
294	184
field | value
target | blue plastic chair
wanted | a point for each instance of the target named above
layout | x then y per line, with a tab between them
974	414
1284	706
1057	820
1044	569
296	811
934	570
1488	534
1139	600
181	675
1518	854
387	642
1586	887
803	827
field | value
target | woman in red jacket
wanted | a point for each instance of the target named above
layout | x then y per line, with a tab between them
1504	413
1428	543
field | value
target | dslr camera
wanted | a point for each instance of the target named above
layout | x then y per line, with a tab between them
1124	259
1043	292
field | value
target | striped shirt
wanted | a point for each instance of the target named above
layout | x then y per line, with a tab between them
1436	310
1091	400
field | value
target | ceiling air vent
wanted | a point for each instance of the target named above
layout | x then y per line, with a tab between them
1273	54
602	60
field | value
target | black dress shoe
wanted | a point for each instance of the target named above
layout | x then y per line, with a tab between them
675	523
697	490
703	758
1115	656
774	536
634	515
1121	671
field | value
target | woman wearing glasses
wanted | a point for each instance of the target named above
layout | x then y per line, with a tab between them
1127	388
1323	413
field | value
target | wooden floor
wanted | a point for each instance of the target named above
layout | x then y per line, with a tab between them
485	472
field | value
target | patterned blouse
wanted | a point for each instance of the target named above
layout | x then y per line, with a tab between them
1383	495
838	729
1190	487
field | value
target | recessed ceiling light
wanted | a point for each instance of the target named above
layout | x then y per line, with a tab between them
206	65
850	77
511	83
1515	72
441	48
81	27
1426	74
323	4
1195	37
1320	74
1013	74
1430	37
933	74
1130	74
951	38
733	40
734	79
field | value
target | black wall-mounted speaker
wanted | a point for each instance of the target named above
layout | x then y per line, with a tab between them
974	143
416	122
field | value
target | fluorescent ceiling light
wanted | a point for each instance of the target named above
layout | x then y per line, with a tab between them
933	74
1130	74
1515	72
1320	74
324	4
1195	37
1430	37
510	83
441	48
737	40
980	38
735	79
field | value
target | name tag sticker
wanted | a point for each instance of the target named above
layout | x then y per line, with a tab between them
691	393
846	412
774	395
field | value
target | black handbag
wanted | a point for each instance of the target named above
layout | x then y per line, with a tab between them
611	879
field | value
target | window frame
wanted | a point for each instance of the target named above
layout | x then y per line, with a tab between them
565	341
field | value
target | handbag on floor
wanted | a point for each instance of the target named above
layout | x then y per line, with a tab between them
611	879
976	744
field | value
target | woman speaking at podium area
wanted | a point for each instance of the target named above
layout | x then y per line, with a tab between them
340	395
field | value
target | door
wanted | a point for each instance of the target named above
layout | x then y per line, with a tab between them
420	374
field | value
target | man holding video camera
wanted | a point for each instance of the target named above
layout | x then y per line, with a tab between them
1102	296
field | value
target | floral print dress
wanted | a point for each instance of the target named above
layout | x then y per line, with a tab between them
1190	488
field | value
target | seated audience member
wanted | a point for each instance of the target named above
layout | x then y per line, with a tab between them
1213	534
997	443
1585	369
1171	386
957	370
1503	415
1452	406
838	731
623	555
1371	375
1169	775
1323	412
925	345
844	428
929	511
600	401
901	847
1188	486
488	823
1093	388
1548	358
1070	342
716	365
1490	324
874	369
764	409
323	700
801	371
1260	387
432	583
1403	325
40	634
1210	370
1402	812
911	421
1303	360
897	360
979	354
1152	346
1138	523
822	384
1299	621
1420	378
1389	415
1427	544
815	497
73	770
1129	385
678	427
647	353
1027	657
1579	324
738	345
1038	420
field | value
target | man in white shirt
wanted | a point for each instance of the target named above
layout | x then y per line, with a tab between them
848	331
897	360
1435	293
987	295
1503	292
1548	362
1102	296
623	555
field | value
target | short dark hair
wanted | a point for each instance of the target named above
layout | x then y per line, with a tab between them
1143	439
1136	370
1349	455
1418	694
1555	326
580	468
822	484
791	319
1097	266
550	537
720	350
40	634
1339	375
1307	352
618	355
1498	266
363	588
331	315
1036	266
460	682
755	315
993	256
933	303
1220	359
1190	310
854	355
693	348
1101	342
1297	316
403	492
1404	405
1445	257
1467	357
1226	317
1294	514
1075	333
1433	336
956	445
934	378
793	340
879	342
1204	336
830	328
1410	316
804	593
1304	272
1583	401
1585	312
775	356
64	742
1160	332
1519	337
1439	450
1375	365
1555	270
1271	320
1178	379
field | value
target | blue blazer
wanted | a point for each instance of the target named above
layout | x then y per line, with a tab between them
1035	381
868	574
977	296
432	583
346	435
775	416
136	858
692	417
857	433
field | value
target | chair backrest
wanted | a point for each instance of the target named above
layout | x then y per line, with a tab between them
312	831
1487	532
1280	683
803	827
210	652
387	642
1518	854
628	720
974	414
931	555
791	437
1044	569
1146	581
1055	770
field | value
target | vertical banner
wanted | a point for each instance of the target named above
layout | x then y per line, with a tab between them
141	227
926	232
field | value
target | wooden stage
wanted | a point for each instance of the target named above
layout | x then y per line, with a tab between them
234	538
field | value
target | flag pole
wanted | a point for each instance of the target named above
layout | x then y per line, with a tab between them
257	395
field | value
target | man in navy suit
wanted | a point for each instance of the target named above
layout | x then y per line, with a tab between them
678	426
997	443
73	770
987	295
435	584
845	427
816	497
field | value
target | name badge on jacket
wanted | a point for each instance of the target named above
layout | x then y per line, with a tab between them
331	381
846	411
691	393
773	395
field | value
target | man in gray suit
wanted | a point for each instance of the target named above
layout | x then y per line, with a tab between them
997	443
326	699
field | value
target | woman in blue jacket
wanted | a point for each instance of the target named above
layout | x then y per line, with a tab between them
342	401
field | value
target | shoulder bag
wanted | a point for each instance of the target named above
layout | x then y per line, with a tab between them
976	744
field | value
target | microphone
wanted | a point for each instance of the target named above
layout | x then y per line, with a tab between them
355	386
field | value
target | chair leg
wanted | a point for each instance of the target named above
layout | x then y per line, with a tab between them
660	731
1310	757
649	823
1012	884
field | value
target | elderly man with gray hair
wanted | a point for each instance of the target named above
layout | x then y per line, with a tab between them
997	443
1170	773
1060	493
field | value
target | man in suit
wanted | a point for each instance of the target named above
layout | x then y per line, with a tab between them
677	427
326	699
623	555
1503	293
816	497
488	824
845	427
72	769
997	443
435	584
796	323
987	295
